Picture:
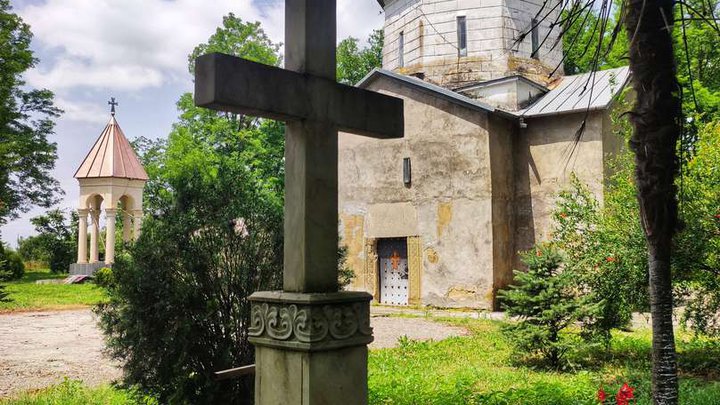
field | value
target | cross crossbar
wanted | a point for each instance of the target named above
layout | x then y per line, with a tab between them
228	83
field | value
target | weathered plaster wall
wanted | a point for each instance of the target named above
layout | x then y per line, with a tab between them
545	157
429	28
502	133
449	204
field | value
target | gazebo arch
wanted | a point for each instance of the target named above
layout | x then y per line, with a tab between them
111	180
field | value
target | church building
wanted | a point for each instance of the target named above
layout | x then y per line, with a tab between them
439	216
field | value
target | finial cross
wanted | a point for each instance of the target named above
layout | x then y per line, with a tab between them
112	103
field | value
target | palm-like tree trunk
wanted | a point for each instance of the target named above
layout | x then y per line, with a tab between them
656	120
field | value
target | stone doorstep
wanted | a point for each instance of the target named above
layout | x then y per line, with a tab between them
311	322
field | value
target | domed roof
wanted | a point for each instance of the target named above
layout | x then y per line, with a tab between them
112	156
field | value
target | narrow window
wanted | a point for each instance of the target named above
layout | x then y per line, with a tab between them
401	50
535	37
462	36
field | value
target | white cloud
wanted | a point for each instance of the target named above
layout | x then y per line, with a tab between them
126	45
137	44
82	111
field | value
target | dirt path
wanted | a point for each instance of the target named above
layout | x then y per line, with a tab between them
38	349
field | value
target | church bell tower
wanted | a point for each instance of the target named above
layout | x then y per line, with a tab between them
455	43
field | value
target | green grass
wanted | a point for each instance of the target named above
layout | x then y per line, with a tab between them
72	393
480	369
25	295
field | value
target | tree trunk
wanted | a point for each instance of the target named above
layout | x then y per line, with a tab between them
656	119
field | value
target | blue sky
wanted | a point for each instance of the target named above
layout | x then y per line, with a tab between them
135	51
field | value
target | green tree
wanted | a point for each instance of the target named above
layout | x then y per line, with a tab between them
213	236
31	249
57	238
353	62
657	123
546	305
603	251
697	261
11	264
698	62
580	42
26	121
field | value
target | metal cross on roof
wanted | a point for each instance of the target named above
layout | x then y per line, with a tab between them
112	103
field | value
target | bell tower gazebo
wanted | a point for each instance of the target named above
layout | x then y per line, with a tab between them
111	180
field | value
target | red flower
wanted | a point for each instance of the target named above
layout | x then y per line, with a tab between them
627	391
610	259
564	215
625	394
601	395
538	253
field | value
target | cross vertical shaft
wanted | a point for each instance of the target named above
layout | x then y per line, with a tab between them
311	235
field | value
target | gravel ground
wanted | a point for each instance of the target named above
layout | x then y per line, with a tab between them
38	349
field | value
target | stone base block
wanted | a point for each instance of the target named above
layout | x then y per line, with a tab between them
310	349
87	269
311	378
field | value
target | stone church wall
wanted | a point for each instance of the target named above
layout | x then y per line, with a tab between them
543	167
430	40
449	205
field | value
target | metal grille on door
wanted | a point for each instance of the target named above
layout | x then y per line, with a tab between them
392	258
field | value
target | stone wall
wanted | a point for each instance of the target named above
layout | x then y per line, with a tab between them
430	40
449	204
545	158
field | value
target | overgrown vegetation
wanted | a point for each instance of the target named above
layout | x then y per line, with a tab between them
605	249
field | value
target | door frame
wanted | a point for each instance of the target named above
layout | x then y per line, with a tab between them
415	267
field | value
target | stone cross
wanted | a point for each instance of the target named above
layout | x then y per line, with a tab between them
311	340
315	107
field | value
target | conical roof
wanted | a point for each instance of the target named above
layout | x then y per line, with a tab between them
112	156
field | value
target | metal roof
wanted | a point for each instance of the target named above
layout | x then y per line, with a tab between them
429	88
112	156
500	80
573	94
581	92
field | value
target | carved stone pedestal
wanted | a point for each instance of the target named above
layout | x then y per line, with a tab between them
311	349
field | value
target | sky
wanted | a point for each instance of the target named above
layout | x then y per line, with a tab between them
135	51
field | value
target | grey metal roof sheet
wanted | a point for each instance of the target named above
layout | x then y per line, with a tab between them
573	94
580	92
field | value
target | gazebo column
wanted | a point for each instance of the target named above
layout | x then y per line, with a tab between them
94	233
127	226
110	214
137	223
82	235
